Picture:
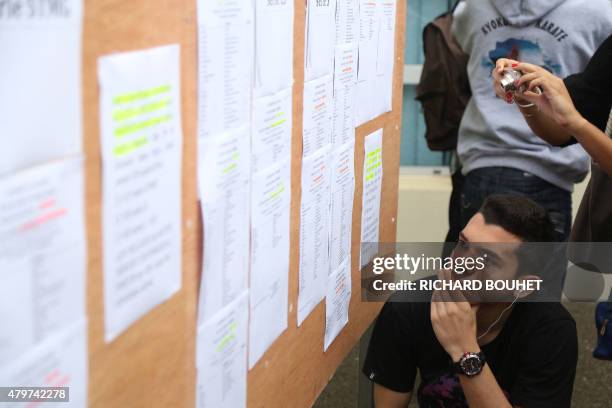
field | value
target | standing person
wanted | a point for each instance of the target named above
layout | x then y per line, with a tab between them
498	150
444	92
577	109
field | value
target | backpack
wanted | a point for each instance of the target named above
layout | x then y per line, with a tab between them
603	323
443	88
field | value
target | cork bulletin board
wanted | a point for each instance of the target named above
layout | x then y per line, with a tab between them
152	364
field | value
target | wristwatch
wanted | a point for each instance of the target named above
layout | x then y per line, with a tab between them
470	364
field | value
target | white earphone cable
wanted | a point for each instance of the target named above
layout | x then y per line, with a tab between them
498	318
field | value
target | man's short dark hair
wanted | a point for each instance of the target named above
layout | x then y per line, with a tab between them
520	216
530	222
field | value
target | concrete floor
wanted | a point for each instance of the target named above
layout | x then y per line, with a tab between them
592	388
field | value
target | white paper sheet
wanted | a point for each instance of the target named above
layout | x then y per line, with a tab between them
320	38
318	105
223	179
338	294
141	134
372	184
42	254
347	21
369	25
58	361
271	137
386	53
222	357
225	65
270	212
345	87
343	193
273	46
337	302
314	231
40	82
376	59
386	37
367	94
367	101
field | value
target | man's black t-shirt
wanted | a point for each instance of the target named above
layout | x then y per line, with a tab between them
533	358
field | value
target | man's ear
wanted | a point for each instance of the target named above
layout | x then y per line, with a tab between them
532	282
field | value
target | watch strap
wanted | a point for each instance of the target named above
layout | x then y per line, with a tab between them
458	369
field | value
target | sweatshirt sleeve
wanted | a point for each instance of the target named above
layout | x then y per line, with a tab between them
460	28
598	13
605	23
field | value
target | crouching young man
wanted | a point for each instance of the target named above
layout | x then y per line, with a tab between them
478	355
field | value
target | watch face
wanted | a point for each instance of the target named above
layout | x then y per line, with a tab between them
471	364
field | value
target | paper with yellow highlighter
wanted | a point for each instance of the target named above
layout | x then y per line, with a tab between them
141	141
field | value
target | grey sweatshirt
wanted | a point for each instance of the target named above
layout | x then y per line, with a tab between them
560	35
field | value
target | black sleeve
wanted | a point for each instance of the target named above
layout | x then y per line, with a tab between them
591	90
390	358
547	367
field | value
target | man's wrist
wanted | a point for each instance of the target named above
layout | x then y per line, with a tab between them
457	352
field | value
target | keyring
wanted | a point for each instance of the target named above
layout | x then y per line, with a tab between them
538	91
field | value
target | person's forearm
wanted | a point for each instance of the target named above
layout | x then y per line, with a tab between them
596	143
545	127
482	390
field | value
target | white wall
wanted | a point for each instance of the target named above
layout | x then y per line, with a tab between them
423	205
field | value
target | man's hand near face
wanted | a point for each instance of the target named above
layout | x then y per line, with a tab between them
453	320
454	323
